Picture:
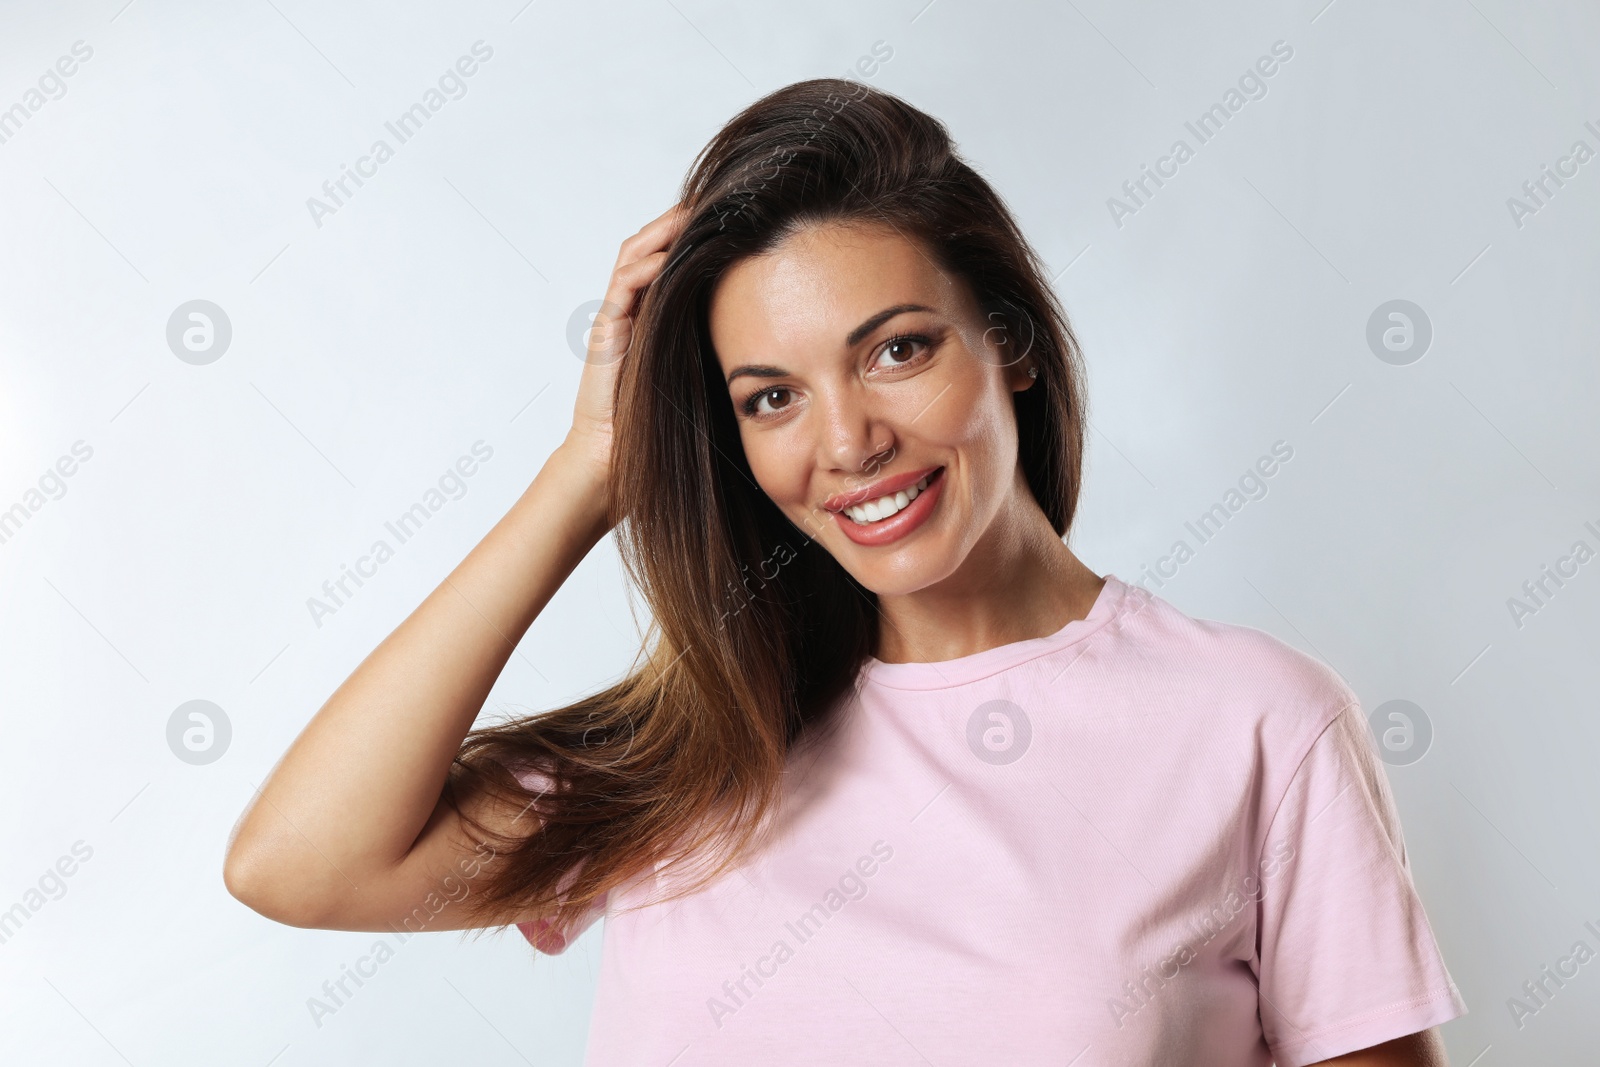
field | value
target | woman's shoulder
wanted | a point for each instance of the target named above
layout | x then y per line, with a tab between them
1234	665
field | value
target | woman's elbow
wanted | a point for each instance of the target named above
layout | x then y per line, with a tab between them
253	881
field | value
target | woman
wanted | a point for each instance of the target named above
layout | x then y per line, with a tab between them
901	780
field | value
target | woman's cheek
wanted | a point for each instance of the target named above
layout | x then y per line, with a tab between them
784	487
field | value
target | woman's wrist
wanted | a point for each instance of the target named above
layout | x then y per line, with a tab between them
583	486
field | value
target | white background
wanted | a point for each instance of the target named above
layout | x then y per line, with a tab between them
432	309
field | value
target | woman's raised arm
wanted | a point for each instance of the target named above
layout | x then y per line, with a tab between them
327	839
350	830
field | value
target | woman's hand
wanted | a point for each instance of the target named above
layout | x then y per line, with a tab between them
589	441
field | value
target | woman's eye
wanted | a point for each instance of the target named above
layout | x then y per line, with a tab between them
901	350
751	404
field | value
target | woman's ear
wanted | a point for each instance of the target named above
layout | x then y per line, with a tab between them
1010	336
1023	375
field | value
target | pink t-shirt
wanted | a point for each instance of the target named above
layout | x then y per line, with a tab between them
1145	839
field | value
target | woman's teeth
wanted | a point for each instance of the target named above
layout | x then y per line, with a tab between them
884	506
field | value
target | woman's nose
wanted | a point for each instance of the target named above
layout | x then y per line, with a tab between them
856	440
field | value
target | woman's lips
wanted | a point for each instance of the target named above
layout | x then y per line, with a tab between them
900	523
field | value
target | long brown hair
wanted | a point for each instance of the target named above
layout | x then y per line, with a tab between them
758	632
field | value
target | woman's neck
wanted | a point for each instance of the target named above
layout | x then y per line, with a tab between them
1020	581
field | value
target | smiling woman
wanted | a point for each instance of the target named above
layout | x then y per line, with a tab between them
925	377
839	340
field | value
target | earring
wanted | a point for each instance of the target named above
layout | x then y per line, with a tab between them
1033	372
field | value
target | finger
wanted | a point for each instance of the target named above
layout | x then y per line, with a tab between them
673	216
654	235
676	213
628	279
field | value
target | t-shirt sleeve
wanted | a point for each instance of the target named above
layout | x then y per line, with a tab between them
1345	956
539	932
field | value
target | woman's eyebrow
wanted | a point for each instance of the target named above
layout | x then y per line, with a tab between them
757	370
761	370
878	320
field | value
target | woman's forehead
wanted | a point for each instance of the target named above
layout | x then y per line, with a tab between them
819	285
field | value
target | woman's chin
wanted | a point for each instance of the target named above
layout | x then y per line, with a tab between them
914	569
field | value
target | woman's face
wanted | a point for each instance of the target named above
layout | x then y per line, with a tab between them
857	368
